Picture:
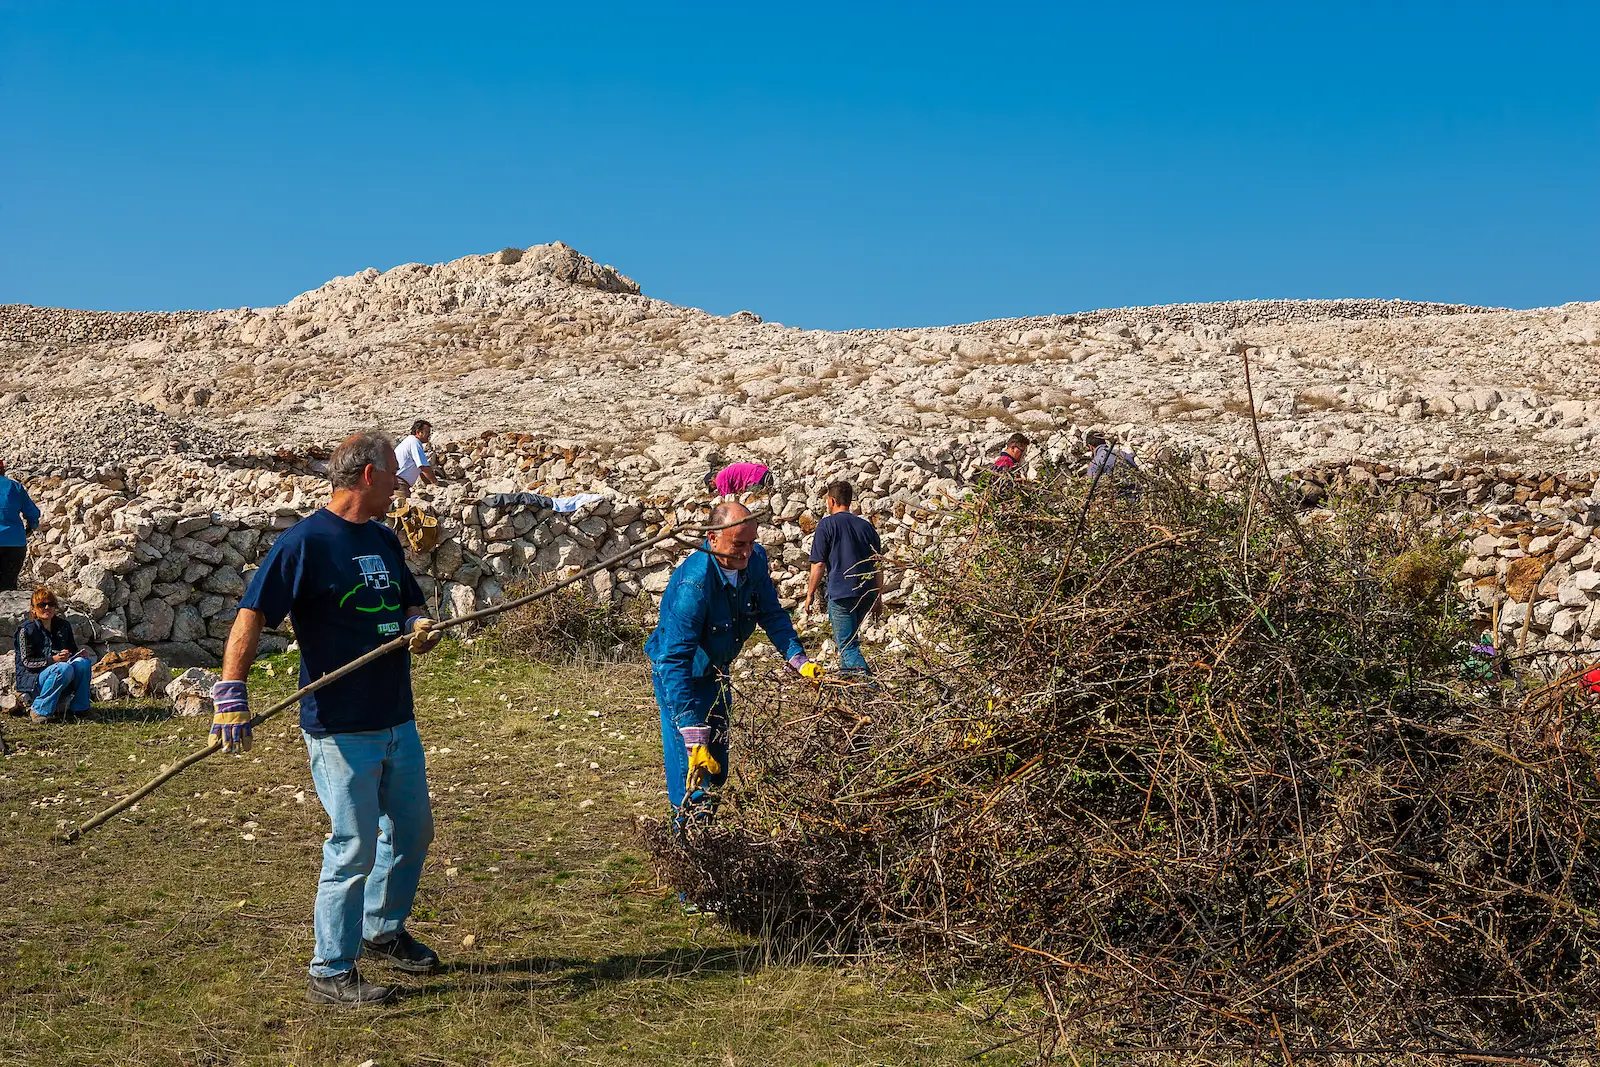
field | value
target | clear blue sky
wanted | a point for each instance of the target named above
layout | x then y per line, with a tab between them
823	165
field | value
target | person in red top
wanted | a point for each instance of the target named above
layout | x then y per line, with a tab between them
738	478
1009	461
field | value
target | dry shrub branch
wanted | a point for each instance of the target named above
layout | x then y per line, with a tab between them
1196	777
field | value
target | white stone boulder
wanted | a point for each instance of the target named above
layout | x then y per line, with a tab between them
149	678
190	692
105	687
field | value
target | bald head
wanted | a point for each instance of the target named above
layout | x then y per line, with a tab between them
732	546
729	511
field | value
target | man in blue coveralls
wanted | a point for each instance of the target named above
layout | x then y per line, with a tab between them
711	607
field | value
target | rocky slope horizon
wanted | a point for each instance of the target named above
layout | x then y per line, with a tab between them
546	342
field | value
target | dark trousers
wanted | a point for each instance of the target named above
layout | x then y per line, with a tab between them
12	557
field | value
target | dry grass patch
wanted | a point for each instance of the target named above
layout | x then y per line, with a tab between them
1183	405
1318	402
1005	416
167	938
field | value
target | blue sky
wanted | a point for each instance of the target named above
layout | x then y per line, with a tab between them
823	165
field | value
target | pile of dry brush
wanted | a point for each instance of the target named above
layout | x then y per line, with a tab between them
1198	770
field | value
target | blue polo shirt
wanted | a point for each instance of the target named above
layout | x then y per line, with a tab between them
846	543
345	587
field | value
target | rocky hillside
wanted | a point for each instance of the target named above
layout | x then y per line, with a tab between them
547	342
169	449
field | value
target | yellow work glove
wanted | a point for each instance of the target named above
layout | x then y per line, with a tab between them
802	665
702	767
702	764
423	635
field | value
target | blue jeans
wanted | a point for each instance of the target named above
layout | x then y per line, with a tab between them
846	616
712	699
374	787
56	679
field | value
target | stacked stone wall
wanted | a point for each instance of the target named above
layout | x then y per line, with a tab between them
26	324
157	553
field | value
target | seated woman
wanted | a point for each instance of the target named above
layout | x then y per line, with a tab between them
49	663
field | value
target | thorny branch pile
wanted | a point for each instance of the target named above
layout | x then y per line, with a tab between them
1191	773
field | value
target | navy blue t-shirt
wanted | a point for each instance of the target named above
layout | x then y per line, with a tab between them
846	543
346	588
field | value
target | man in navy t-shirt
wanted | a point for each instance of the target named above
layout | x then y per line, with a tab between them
342	580
846	545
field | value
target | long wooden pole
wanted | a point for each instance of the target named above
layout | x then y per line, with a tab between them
215	744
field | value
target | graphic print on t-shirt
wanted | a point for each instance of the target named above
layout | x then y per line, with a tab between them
346	586
373	589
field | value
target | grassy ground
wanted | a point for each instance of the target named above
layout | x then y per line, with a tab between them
179	934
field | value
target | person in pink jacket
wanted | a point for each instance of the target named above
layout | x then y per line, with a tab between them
738	478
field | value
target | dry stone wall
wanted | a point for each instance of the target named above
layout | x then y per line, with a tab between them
158	553
26	323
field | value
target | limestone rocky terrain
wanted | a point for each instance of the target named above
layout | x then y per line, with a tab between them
168	450
547	342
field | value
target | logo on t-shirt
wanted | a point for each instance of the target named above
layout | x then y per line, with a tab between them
374	572
374	579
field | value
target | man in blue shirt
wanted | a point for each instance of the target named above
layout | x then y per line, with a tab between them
847	547
712	605
342	580
19	517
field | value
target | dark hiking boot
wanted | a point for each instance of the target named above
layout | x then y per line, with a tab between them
404	952
348	990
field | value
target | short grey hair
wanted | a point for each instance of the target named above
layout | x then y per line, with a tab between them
349	460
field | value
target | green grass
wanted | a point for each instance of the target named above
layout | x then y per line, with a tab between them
180	932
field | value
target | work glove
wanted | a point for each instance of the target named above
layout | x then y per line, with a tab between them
803	666
702	764
230	719
423	635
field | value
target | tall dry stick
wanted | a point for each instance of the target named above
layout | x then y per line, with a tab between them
1278	504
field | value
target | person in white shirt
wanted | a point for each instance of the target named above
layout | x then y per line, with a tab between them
414	464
